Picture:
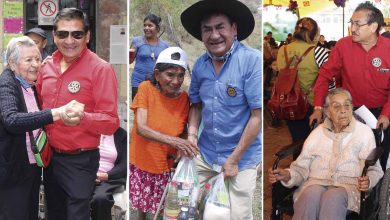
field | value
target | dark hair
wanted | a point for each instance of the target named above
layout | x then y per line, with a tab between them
71	14
156	20
269	32
161	67
289	35
306	30
331	44
373	15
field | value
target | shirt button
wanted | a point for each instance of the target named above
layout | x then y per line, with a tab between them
216	129
217	142
215	113
215	97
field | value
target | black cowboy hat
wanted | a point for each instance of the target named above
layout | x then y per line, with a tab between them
192	16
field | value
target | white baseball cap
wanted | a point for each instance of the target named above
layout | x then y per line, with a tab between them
173	55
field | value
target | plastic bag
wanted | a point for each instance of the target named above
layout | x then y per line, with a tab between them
218	202
186	178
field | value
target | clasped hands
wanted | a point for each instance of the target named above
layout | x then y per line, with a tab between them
71	113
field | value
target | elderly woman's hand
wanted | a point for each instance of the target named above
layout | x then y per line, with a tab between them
187	148
71	113
363	183
278	174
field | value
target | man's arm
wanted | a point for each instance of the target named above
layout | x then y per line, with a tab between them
385	114
332	68
252	129
193	122
103	118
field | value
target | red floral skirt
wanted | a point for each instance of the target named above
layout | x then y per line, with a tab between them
146	189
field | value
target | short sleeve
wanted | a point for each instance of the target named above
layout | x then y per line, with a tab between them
137	42
194	88
141	98
253	83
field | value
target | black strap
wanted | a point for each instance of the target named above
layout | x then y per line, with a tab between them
288	62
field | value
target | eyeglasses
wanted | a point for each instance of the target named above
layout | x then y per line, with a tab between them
357	25
75	34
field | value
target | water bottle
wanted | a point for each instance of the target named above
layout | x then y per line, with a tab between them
192	213
172	208
183	215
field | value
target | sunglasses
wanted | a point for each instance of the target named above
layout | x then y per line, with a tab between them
74	34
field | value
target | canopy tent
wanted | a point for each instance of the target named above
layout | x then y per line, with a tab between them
331	19
305	6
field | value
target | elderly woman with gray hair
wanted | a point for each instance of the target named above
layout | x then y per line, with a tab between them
328	169
19	114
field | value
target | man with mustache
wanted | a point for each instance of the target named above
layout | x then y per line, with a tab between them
362	62
226	94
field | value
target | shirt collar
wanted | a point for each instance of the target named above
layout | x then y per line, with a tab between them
226	55
329	126
23	82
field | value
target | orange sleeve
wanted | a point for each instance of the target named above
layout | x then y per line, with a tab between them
141	99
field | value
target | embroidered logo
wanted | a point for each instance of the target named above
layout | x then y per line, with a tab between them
376	62
74	87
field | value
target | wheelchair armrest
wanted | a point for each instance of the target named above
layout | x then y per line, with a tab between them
378	135
287	150
371	159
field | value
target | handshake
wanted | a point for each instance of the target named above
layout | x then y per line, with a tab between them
71	113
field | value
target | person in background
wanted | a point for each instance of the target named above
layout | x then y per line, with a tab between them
39	37
74	72
289	38
146	49
226	93
160	120
366	74
322	42
271	40
20	114
328	169
111	175
305	36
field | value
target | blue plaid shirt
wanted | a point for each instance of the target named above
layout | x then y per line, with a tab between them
226	116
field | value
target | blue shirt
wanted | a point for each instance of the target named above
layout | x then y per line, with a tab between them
225	117
144	62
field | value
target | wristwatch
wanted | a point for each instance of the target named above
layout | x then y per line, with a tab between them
318	108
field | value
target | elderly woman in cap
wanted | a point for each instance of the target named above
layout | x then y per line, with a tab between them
161	111
19	114
329	167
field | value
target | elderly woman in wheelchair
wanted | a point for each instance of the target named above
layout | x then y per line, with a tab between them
328	169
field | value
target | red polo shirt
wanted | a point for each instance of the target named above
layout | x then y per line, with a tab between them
97	90
366	75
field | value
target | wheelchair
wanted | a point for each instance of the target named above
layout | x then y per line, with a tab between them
374	204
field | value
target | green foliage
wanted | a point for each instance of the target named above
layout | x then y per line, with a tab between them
174	32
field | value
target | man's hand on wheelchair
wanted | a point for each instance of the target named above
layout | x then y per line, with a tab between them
363	183
278	174
316	115
384	120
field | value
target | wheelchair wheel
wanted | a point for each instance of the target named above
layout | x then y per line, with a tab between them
384	197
